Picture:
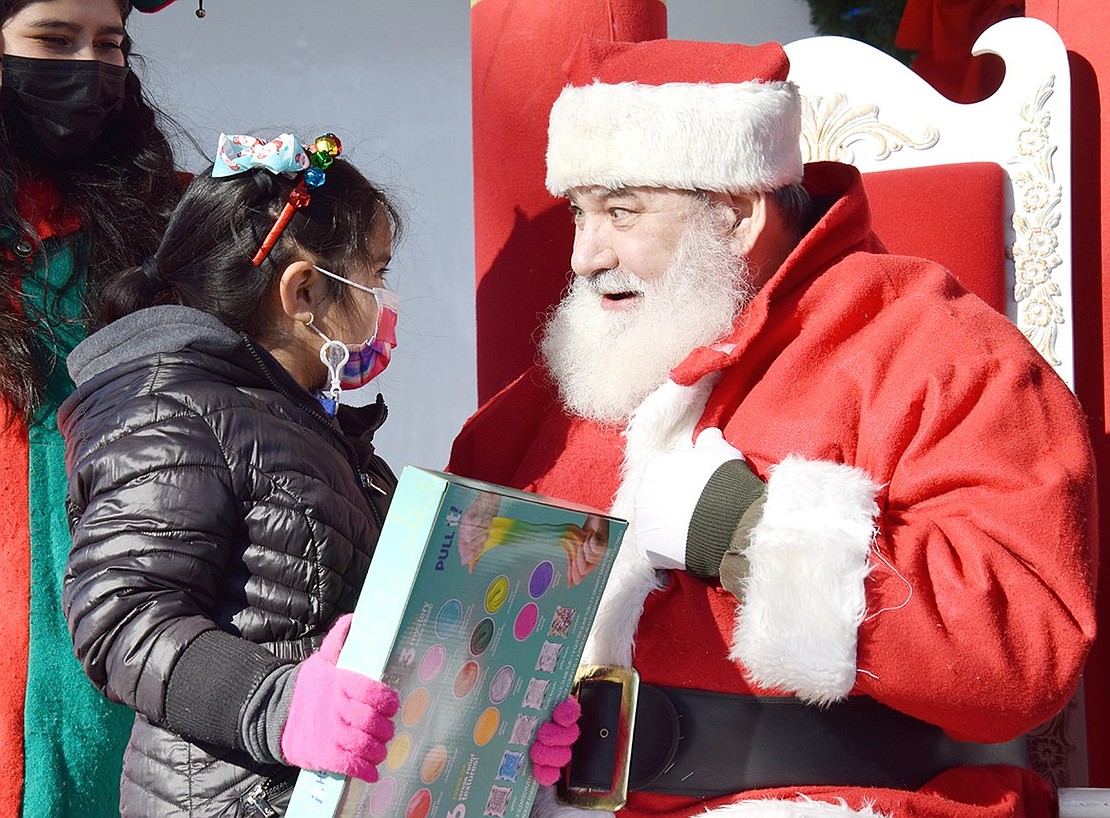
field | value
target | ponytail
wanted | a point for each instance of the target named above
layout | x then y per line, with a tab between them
133	289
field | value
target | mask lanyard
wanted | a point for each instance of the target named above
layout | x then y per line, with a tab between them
334	355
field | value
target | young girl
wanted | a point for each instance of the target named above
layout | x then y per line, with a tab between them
224	503
86	184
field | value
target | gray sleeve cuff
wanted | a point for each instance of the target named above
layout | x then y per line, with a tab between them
723	503
265	715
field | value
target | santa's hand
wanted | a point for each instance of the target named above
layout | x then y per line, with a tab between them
551	750
669	492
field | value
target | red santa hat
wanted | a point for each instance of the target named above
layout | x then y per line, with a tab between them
677	114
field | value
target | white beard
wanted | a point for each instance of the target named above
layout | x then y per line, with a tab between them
605	362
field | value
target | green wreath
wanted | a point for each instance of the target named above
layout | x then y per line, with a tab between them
872	21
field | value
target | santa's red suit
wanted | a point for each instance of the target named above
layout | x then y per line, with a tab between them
928	533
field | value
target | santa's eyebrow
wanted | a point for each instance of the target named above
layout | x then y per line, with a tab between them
603	195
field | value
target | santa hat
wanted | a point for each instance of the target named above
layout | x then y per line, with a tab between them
676	114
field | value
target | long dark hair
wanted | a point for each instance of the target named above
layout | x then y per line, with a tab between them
204	260
122	191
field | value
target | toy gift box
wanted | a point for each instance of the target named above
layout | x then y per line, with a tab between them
475	610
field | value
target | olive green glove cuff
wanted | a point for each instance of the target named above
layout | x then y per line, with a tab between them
734	564
729	507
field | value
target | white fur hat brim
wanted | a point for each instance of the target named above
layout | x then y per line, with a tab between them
726	137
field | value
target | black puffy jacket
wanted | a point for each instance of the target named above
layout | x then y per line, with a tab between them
221	522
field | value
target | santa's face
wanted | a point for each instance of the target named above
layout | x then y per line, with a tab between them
636	229
673	283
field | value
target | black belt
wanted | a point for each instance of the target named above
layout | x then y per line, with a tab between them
702	744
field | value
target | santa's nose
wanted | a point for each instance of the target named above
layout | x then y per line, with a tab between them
592	254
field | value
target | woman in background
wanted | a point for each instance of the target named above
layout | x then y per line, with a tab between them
86	184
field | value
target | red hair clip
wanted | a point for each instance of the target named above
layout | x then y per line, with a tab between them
321	154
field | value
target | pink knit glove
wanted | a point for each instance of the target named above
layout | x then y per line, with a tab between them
551	750
339	720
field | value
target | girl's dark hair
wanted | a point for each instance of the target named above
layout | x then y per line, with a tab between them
204	260
122	190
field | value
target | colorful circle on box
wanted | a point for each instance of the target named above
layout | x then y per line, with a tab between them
501	684
481	636
541	578
448	618
435	762
381	799
414	707
465	679
526	621
398	751
486	726
434	659
497	593
419	804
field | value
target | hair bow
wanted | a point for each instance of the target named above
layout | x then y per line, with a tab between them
238	154
283	154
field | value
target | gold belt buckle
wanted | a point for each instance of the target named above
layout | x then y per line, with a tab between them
597	776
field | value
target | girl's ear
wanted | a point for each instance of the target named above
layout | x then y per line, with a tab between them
300	291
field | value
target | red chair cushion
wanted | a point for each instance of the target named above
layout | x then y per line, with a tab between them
951	214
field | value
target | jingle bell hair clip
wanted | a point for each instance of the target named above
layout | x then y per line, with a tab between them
283	154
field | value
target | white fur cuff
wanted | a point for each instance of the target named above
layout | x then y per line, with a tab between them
804	600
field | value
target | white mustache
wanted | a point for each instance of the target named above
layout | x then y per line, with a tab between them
614	281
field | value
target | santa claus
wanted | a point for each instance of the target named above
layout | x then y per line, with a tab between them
860	557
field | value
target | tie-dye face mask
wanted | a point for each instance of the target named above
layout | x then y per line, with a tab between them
369	359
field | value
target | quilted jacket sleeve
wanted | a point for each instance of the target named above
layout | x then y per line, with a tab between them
147	556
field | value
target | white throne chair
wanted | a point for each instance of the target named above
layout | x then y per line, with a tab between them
993	180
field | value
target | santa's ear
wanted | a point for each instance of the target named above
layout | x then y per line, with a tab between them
749	219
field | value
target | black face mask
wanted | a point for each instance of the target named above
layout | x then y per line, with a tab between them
64	105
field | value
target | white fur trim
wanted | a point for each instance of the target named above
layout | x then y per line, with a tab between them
804	807
664	422
727	137
804	600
